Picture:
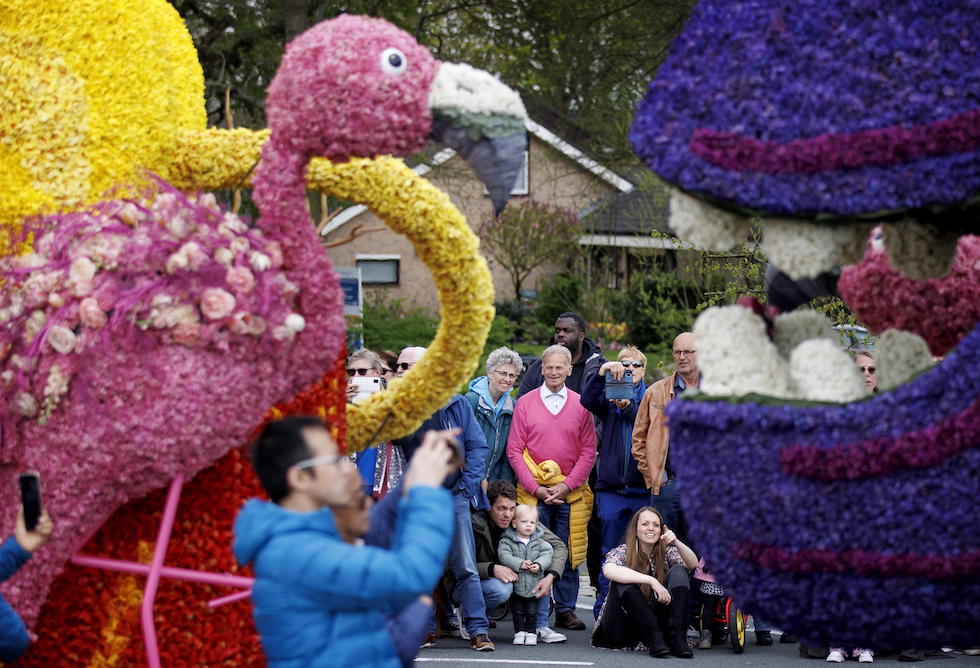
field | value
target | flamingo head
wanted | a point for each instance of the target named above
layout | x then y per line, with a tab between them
356	86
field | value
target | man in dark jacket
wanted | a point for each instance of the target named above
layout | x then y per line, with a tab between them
586	355
619	487
498	580
468	495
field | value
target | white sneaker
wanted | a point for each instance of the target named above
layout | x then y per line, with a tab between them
866	657
548	635
530	639
520	637
835	657
463	633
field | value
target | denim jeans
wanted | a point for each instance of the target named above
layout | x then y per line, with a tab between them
468	592
566	589
495	593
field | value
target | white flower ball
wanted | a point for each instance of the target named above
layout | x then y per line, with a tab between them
793	328
821	371
736	357
900	357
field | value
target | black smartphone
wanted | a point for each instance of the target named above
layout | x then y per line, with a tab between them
30	496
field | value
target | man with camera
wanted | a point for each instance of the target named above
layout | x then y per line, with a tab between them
468	495
316	596
613	395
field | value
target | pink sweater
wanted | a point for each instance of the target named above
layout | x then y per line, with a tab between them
567	438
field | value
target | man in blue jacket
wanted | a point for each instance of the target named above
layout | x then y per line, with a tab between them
619	487
319	601
468	495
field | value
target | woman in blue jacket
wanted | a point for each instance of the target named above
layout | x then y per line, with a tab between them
619	487
494	407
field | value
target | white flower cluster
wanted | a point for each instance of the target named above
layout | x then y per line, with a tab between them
737	358
900	356
706	226
735	355
919	250
802	249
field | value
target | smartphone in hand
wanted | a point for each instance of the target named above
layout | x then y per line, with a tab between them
366	386
30	497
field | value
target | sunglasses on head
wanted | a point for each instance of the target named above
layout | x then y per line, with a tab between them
631	363
359	372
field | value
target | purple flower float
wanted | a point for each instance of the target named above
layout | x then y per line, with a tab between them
820	117
851	524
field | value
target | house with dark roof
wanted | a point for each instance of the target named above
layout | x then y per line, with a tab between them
555	172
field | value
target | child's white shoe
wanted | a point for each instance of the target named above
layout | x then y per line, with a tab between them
520	637
835	657
530	639
866	657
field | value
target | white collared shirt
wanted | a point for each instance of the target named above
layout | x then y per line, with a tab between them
554	401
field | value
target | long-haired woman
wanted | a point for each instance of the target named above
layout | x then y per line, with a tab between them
647	599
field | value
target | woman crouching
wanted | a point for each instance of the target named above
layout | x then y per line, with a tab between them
648	590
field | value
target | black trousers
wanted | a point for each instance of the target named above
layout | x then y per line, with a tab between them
629	619
525	613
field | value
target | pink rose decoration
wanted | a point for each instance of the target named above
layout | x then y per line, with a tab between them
240	279
61	339
82	287
217	303
186	333
25	404
90	314
81	269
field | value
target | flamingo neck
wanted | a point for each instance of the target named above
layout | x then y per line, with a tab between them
280	194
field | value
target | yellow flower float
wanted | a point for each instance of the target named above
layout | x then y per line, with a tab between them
99	92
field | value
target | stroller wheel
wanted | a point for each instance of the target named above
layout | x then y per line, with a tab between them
736	627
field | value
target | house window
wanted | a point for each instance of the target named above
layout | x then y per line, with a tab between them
379	269
521	186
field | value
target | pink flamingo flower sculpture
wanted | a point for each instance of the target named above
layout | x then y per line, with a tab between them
145	337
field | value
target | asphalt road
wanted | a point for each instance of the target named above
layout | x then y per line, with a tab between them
577	652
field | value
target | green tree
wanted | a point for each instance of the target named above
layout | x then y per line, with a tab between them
578	64
528	235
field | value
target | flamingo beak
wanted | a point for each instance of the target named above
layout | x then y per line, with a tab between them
482	120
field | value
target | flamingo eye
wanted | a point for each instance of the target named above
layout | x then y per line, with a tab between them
393	61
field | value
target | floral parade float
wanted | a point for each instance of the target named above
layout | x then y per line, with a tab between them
147	332
847	518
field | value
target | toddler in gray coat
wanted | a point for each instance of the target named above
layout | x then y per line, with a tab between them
523	549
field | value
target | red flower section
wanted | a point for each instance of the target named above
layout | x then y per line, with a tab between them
883	456
880	146
941	310
863	562
91	616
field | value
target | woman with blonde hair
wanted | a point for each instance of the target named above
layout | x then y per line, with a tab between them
648	596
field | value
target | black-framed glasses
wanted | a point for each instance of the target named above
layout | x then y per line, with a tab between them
359	372
868	369
631	363
682	353
404	366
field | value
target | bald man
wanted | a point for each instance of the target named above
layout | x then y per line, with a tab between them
651	439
